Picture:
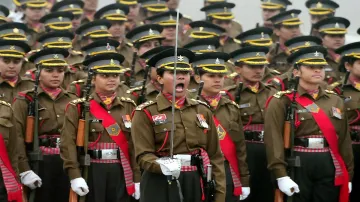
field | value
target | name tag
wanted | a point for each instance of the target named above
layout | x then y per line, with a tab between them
246	105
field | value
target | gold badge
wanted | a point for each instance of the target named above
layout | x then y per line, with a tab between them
201	29
102	27
56	56
221	132
171	17
60	39
12	47
112	62
337	25
307	43
118	11
180	58
61	18
71	5
217	61
16	30
319	5
293	15
151	32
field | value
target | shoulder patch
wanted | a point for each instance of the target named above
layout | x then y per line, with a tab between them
236	105
201	102
125	99
133	89
78	81
77	101
331	92
237	41
281	93
145	104
5	103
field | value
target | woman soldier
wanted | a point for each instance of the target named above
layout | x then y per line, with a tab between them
322	162
52	100
112	170
211	69
194	131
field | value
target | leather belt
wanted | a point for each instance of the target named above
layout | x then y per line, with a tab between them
104	154
311	143
355	136
50	142
254	135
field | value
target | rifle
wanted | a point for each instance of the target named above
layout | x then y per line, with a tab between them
209	183
82	138
142	98
289	138
238	92
32	131
201	86
345	81
131	81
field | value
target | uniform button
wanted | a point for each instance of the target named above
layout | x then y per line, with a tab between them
245	114
58	115
59	130
348	109
109	112
262	110
165	129
328	76
186	128
302	118
40	118
92	130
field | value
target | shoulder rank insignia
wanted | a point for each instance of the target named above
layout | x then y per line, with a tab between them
336	84
331	92
75	52
237	41
77	101
129	44
281	93
233	75
78	81
201	102
234	103
143	105
5	103
223	93
126	99
275	72
187	16
133	89
192	90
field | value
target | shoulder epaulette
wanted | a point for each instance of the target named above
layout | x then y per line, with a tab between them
129	44
236	105
75	52
223	92
331	92
5	103
187	16
133	89
143	105
78	81
126	99
275	71
237	41
233	75
201	102
236	21
230	62
192	90
336	84
77	101
281	93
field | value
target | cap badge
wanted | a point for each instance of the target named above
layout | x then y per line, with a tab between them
262	35
257	54
317	54
217	61
16	30
307	43
60	39
151	32
337	25
108	47
118	11
71	5
293	15
112	62
209	47
201	29
319	5
56	56
60	18
180	58
102	27
225	9
12	47
171	17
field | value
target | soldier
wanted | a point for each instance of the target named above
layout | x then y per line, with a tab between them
73	6
319	10
143	38
12	53
168	21
58	21
133	18
270	8
350	90
4	13
321	142
91	31
10	188
173	5
58	39
283	82
286	26
251	95
211	69
110	144
52	181
220	14
90	7
195	133
153	87
103	46
332	31
33	12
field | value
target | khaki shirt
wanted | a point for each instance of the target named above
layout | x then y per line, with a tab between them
51	118
150	92
68	151
77	87
8	93
8	132
277	58
275	118
190	136
332	73
33	34
235	30
227	112
125	49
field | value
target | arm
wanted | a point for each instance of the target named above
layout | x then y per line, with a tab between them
241	155
143	139
68	150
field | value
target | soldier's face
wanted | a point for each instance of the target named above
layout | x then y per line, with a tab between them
52	77
354	68
169	33
91	5
76	21
213	83
310	74
172	4
34	14
226	24
153	74
133	12
251	73
181	82
316	18
117	29
10	67
106	83
268	13
147	45
288	32
333	42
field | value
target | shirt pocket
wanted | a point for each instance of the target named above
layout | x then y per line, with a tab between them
95	129
5	125
162	131
235	131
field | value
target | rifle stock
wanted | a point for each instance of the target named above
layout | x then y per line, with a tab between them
201	86
238	93
131	81
73	197
142	98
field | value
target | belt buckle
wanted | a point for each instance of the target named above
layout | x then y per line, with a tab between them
57	143
316	143
261	136
109	154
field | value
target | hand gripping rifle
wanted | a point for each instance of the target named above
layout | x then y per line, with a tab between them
32	131
289	139
82	138
142	97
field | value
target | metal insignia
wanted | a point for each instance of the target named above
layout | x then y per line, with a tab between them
171	17
60	18
180	58
307	43
313	108
225	9
118	11
316	54
151	32
262	35
56	56
221	132
209	47
113	129
12	47
337	25
217	61
108	47
60	39
257	54
201	29
16	30
112	62
319	5
293	15
71	5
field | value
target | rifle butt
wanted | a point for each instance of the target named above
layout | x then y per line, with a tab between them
24	194
73	196
80	137
29	133
279	196
287	129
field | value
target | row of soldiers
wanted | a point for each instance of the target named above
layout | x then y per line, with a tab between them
95	107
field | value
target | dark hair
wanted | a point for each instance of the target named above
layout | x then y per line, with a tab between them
277	26
200	71
137	45
350	60
160	71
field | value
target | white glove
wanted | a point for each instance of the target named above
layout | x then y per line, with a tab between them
79	186
170	167
136	195
30	179
287	186
245	193
350	187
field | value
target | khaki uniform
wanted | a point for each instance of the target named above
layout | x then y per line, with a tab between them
75	57
51	119
332	73
125	49
277	58
77	87
120	106
33	34
8	93
228	45
190	135
236	29
151	92
25	67
317	163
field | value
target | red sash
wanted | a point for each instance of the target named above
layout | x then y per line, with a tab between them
228	148
329	132
13	187
119	138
